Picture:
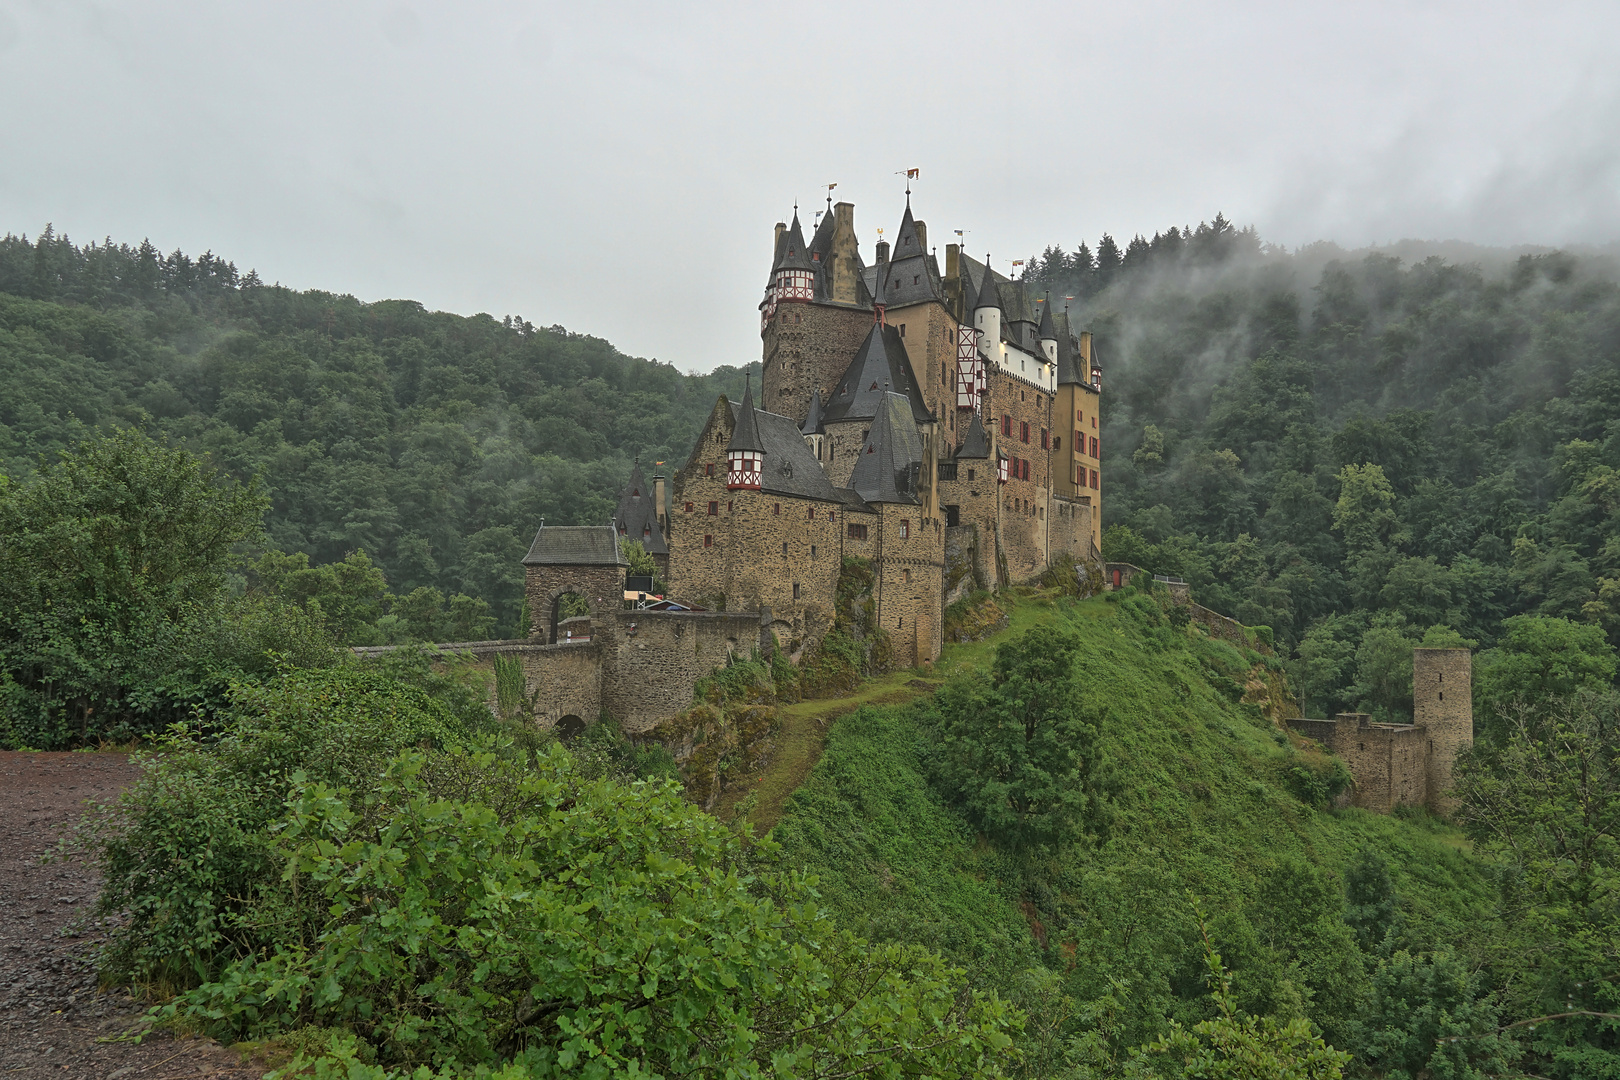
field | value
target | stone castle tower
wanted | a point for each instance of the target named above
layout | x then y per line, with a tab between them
1443	705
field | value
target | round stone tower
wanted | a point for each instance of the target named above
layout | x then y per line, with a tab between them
1443	704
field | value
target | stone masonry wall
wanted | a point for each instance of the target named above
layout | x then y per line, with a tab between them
601	586
974	493
751	547
929	334
1024	503
910	586
1069	530
1388	761
806	347
654	657
1443	704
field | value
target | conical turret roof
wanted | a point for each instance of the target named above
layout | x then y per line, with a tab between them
989	294
746	434
906	244
812	419
791	253
1047	332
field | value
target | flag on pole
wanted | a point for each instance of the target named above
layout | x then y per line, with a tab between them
911	174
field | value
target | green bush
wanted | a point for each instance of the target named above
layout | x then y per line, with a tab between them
473	910
187	851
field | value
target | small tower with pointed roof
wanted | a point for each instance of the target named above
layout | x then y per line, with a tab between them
745	453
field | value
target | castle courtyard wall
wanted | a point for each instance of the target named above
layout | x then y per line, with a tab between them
652	658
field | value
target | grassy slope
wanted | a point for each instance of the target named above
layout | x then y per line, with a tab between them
1204	814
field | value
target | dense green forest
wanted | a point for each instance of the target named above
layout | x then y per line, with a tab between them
1353	450
432	443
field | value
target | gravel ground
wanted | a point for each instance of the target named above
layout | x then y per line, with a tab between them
53	1020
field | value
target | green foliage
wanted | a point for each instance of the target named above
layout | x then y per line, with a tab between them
1094	937
1545	803
433	442
1371	905
113	619
1236	1046
187	851
1428	1015
1020	752
476	910
1544	661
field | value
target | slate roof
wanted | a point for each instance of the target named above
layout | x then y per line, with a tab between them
884	473
812	419
790	467
1068	356
987	294
881	365
1047	332
745	436
637	516
575	545
976	443
790	252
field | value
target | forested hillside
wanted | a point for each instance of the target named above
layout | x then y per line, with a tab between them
1354	449
432	442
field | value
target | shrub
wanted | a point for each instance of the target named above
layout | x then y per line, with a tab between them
187	850
475	911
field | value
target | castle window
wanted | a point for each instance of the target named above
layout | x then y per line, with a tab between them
857	532
729	507
970	474
708	541
688	508
905	528
784	549
1079	443
1094	447
812	551
776	508
1038	401
1094	421
810	514
1057	442
708	470
1045	440
1094	480
905	577
1006	425
1023	431
902	331
714	508
795	590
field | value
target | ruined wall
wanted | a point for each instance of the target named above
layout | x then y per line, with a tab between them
652	658
602	587
806	347
1443	705
1388	761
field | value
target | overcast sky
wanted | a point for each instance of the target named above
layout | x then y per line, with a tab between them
616	168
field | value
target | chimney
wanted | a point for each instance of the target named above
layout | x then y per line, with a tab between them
776	242
658	501
844	257
922	236
882	252
953	257
1085	349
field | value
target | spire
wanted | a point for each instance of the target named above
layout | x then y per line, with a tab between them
746	436
1047	332
989	294
906	243
790	252
812	420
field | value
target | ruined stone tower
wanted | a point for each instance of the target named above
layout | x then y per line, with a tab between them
1442	704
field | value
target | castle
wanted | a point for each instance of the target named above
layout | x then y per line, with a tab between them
942	424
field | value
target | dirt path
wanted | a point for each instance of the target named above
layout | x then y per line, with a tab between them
52	1017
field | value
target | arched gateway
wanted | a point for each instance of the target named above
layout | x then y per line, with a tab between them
580	559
